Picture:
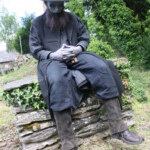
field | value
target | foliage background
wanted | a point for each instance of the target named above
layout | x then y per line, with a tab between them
117	28
23	32
122	25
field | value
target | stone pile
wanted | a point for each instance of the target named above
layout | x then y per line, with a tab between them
38	131
14	64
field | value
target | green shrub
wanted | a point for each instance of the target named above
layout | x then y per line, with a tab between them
123	24
139	94
123	69
122	28
95	28
146	42
76	6
101	48
29	96
139	85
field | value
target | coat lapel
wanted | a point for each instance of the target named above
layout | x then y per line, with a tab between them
69	30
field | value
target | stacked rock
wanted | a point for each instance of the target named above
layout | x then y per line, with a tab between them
38	131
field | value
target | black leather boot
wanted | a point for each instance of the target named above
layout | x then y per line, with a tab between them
129	137
118	128
65	130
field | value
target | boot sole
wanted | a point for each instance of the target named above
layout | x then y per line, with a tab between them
132	143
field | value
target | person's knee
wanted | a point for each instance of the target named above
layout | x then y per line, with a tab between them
102	67
94	62
56	73
56	78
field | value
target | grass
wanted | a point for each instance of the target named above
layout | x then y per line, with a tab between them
28	69
142	110
6	115
141	78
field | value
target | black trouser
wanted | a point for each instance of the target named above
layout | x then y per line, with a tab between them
63	90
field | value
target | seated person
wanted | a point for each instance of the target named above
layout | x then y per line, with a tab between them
58	40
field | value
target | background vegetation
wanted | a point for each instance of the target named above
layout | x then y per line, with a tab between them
122	26
116	27
8	29
23	32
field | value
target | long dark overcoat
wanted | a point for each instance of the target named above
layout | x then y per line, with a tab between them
42	41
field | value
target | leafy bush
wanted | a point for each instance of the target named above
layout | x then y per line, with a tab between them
139	7
139	84
101	48
112	22
76	6
146	42
29	96
123	69
139	93
145	55
95	28
123	30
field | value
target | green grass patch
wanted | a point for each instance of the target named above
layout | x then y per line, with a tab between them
1	96
141	84
6	115
28	69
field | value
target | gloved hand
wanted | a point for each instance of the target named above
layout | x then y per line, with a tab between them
74	49
62	53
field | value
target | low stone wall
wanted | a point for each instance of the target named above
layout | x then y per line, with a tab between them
12	65
37	130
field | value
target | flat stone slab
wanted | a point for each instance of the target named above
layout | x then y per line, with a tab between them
40	136
27	118
20	83
122	59
41	145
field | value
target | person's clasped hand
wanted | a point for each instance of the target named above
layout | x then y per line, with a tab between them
74	49
66	52
62	53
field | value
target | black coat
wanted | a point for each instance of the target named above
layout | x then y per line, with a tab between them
42	41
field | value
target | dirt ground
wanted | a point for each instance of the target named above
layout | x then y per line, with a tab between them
8	137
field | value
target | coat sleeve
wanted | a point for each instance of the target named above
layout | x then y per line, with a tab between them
83	35
35	43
